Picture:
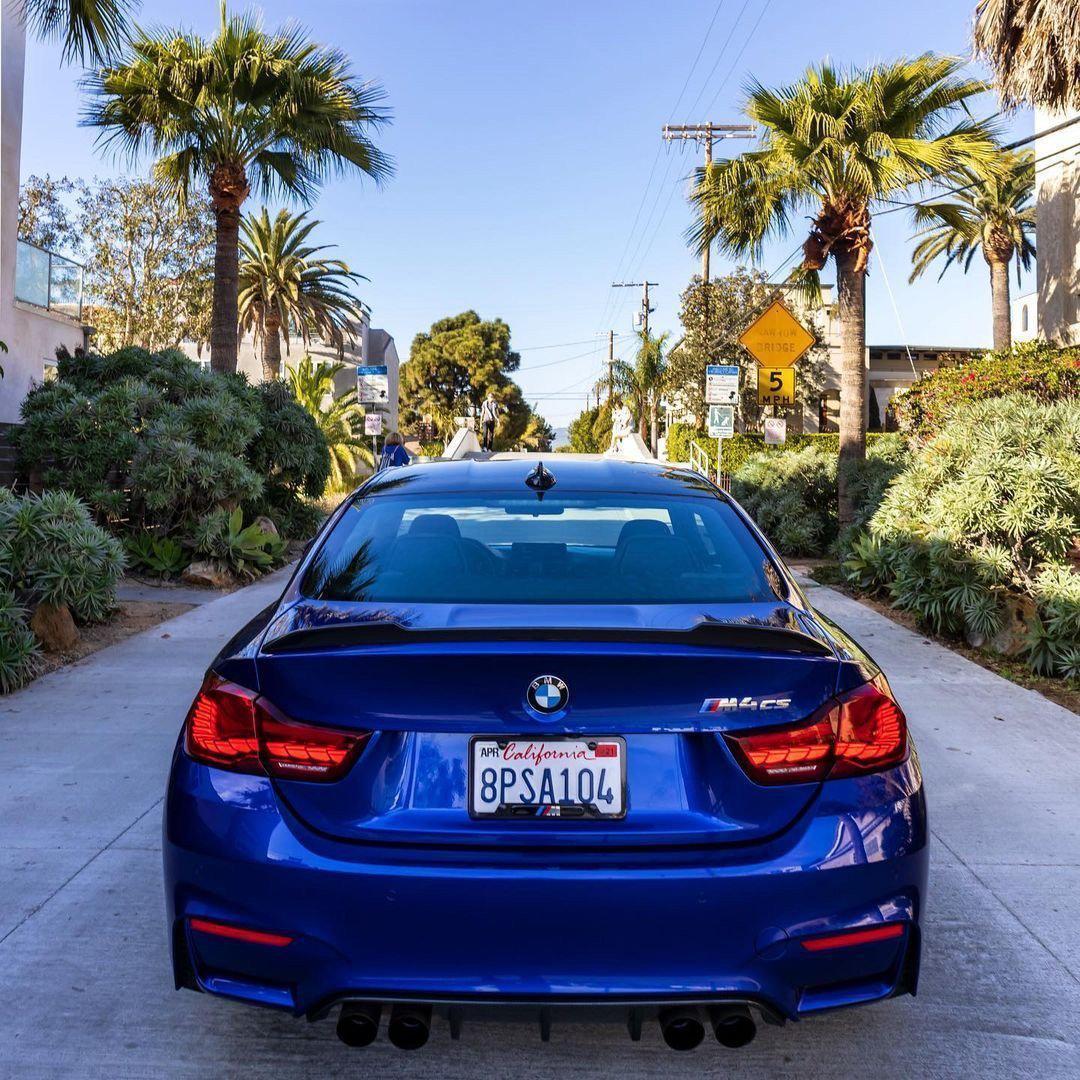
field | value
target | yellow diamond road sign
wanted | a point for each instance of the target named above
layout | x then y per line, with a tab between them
776	339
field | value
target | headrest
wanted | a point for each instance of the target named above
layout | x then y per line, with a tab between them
642	528
434	525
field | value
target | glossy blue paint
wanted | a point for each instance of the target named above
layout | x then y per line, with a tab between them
704	890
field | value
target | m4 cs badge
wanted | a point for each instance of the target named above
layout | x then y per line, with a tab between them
761	704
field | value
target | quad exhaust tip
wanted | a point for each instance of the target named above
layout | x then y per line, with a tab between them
358	1023
733	1026
682	1027
410	1026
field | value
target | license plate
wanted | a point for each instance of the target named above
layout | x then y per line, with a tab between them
547	777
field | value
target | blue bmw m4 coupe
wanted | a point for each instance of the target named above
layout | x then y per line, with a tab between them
560	740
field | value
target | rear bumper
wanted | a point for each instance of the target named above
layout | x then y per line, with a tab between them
607	928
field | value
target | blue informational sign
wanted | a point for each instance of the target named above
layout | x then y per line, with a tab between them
721	384
372	385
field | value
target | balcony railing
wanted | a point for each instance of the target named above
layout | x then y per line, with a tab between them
48	280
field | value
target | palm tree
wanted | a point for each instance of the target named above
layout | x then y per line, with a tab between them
91	30
248	108
538	433
991	212
287	283
836	144
643	383
1034	48
341	420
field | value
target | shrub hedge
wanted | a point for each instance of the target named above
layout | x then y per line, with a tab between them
791	493
740	448
154	444
1039	370
986	515
52	552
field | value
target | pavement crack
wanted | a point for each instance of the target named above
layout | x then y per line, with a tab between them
993	892
63	885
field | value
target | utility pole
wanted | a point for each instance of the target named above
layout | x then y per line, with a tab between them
646	310
706	134
610	369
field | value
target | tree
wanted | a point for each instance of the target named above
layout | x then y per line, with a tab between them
991	212
712	318
590	431
340	419
44	216
91	30
538	434
836	144
246	109
451	369
148	264
643	382
1034	48
287	284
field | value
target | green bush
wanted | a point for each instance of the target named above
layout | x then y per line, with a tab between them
1039	370
52	552
20	657
246	549
791	492
154	444
987	510
740	448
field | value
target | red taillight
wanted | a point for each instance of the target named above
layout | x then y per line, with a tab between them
854	937
233	728
858	732
238	933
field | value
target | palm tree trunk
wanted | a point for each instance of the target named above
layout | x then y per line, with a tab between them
271	352
654	426
228	190
851	301
999	291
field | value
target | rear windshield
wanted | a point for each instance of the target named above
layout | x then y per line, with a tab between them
514	549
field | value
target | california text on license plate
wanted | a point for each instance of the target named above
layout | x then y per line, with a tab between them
548	777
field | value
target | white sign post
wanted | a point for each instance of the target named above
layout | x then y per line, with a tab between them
775	431
721	427
721	384
372	385
373	426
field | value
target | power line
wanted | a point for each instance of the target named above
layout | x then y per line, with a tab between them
560	345
656	161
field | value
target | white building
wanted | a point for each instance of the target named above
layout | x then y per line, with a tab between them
40	293
1024	317
1057	180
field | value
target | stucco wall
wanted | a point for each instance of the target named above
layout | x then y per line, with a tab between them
1057	177
31	336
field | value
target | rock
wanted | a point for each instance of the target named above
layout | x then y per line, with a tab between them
209	574
1021	617
266	525
54	627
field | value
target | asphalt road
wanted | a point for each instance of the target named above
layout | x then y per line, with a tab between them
85	988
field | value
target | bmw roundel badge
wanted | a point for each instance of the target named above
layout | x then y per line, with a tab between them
547	694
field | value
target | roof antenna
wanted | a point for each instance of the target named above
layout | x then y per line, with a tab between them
540	479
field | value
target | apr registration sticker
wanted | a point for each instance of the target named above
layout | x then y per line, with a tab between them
573	777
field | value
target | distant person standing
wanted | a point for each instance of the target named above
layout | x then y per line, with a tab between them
489	417
394	453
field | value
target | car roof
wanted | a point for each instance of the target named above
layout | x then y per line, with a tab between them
572	472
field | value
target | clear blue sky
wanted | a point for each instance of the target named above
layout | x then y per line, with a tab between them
524	135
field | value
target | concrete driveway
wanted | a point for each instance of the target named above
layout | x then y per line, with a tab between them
85	988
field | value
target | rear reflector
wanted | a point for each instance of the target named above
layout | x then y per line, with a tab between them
854	937
238	933
233	728
861	731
